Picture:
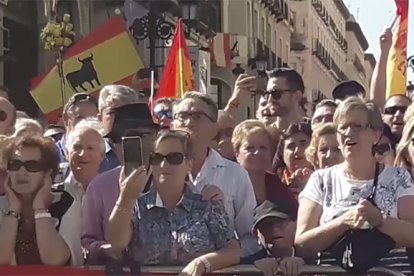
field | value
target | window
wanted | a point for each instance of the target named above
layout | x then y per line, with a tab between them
249	20
263	29
269	35
255	22
280	53
287	53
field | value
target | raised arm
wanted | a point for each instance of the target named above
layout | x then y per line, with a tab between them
119	232
379	76
241	94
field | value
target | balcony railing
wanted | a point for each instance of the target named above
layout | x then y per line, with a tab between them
297	42
325	58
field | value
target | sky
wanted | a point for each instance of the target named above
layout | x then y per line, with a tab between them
374	16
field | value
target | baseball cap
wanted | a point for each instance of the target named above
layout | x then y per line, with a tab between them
79	97
268	209
347	89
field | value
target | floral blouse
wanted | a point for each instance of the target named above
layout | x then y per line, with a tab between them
176	237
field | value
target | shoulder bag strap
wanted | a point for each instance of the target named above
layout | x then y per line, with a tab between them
374	185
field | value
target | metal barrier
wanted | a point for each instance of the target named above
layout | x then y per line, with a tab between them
164	271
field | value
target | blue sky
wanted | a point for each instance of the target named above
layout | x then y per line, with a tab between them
374	16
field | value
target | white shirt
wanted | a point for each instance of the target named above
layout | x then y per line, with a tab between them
336	193
239	196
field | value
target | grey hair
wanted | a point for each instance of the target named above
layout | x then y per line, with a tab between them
88	124
26	121
194	95
110	93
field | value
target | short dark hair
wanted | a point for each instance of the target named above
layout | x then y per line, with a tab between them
348	89
294	80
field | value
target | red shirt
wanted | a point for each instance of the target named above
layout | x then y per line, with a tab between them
277	191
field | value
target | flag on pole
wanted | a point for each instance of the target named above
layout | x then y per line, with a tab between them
397	60
177	77
105	56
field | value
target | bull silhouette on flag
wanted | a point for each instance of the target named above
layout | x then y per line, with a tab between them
86	73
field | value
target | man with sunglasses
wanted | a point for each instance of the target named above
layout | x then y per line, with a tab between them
393	115
279	105
163	112
103	191
213	176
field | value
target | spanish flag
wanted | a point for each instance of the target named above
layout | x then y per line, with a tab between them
397	60
106	56
177	77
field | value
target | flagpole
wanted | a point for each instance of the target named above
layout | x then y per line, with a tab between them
152	91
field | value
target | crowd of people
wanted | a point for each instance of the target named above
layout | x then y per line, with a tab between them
278	192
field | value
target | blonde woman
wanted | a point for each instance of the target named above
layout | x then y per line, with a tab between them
323	151
252	144
356	193
405	150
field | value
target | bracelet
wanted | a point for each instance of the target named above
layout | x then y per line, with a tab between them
234	105
12	214
206	263
39	211
42	215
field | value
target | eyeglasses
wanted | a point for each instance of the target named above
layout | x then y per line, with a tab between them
357	128
173	158
3	116
81	97
163	113
392	110
196	116
276	94
382	149
30	165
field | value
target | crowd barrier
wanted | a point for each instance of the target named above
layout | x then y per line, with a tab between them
164	271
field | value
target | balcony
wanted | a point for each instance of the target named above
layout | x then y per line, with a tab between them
207	21
279	8
358	65
297	42
325	58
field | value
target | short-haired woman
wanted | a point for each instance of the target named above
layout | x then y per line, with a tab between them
290	162
33	228
323	151
252	144
335	199
171	224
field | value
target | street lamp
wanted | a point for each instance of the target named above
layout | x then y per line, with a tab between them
153	26
189	13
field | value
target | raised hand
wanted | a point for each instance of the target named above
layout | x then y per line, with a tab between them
44	197
15	204
132	186
386	40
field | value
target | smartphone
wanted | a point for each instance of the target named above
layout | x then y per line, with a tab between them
132	153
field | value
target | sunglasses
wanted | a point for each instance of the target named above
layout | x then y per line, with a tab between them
393	109
163	113
173	158
3	116
196	115
382	149
30	165
276	94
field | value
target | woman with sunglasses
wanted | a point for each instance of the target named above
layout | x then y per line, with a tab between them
171	224
33	226
358	193
385	149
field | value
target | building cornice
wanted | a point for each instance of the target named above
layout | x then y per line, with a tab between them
356	29
342	8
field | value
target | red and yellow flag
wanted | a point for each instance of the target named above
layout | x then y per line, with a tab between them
177	77
106	56
397	60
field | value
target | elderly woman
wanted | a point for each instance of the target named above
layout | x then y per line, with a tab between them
290	161
356	193
33	226
252	144
323	151
202	239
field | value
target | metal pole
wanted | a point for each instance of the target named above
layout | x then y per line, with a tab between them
152	34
